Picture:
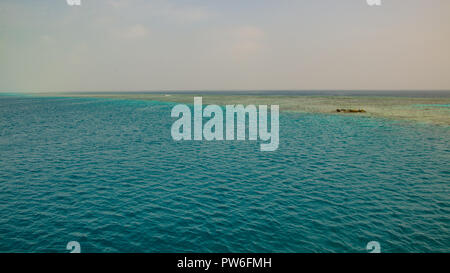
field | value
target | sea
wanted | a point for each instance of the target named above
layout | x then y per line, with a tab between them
107	174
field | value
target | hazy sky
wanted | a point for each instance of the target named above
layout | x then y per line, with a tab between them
120	45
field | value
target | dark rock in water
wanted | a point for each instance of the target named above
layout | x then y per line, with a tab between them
350	111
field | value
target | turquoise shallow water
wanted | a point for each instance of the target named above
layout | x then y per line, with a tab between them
433	105
107	173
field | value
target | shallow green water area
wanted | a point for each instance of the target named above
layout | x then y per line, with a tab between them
106	173
429	110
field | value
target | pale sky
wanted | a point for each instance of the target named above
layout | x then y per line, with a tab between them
133	45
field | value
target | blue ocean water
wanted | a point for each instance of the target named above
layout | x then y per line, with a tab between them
106	173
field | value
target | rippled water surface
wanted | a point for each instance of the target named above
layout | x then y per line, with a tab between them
107	173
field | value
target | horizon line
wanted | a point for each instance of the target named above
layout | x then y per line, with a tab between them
230	90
